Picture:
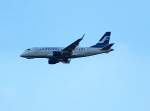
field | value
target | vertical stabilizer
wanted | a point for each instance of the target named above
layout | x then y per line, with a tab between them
104	41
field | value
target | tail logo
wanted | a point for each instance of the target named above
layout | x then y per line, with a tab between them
104	41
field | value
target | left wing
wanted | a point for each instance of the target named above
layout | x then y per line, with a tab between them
67	51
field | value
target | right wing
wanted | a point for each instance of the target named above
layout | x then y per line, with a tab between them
67	51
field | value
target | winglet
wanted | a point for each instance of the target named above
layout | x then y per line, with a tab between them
82	36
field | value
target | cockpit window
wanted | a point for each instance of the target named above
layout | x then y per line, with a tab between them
28	49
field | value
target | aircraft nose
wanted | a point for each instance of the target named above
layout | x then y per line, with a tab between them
23	55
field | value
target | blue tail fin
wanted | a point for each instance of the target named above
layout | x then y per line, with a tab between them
103	41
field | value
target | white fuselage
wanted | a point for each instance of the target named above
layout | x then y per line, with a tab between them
47	52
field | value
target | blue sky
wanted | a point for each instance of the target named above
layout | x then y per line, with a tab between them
118	81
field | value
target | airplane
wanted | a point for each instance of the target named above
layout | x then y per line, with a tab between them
65	54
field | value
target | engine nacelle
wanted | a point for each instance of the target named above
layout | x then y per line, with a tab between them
52	61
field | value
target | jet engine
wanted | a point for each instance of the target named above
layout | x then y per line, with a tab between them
52	61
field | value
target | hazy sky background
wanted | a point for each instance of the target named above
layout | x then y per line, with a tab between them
118	81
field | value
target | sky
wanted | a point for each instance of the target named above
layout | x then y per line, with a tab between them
118	81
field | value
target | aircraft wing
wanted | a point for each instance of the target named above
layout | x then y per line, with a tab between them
67	51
